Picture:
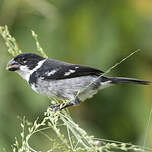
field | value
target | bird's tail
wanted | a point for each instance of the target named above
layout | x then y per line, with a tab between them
116	80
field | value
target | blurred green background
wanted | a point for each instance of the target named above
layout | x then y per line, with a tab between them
98	33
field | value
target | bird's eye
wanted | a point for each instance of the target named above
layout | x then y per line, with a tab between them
22	60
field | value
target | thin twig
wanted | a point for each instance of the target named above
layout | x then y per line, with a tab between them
70	141
107	71
147	128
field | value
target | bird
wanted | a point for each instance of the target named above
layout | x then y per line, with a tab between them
61	80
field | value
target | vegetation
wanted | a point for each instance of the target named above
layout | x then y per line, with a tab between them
97	33
77	139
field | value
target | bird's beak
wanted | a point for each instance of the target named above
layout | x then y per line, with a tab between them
12	65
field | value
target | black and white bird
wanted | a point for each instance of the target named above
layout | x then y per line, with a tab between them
61	80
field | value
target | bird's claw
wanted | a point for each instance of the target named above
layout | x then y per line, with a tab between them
55	108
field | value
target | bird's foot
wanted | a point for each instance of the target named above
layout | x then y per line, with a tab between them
55	108
59	107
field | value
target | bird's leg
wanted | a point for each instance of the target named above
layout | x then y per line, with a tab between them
56	107
72	103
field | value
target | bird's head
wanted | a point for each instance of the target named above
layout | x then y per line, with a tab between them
24	64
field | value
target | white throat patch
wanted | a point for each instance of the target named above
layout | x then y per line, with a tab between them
24	72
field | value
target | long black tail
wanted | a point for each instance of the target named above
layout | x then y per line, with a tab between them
128	80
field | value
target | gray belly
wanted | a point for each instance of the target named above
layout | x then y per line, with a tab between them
68	88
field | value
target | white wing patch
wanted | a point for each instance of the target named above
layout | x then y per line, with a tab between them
52	72
69	72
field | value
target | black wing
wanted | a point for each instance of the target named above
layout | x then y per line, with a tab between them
56	70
